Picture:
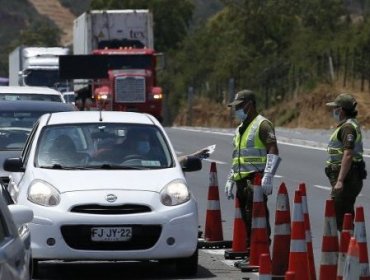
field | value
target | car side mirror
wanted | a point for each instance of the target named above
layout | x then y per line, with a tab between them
191	164
21	214
13	165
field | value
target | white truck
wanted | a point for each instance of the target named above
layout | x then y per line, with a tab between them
98	29
36	66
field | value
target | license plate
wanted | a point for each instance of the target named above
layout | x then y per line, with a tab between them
111	234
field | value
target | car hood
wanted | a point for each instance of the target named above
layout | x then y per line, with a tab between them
77	180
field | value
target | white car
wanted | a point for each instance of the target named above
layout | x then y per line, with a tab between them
12	93
106	186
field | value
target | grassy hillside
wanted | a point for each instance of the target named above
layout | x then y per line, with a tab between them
77	7
15	15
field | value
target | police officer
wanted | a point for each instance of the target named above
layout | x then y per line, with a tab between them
345	167
255	151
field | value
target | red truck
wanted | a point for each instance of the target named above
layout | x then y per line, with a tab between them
114	50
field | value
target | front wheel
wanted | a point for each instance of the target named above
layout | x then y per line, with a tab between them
188	266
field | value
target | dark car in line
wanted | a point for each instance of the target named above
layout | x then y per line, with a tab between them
16	121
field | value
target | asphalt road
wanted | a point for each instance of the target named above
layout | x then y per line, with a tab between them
303	156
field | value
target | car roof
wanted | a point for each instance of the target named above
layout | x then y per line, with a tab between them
28	89
103	116
35	106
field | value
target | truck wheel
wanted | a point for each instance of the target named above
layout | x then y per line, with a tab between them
188	266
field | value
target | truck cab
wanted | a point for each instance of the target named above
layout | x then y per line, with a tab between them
131	83
35	66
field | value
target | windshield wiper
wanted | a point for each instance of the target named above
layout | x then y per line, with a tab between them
55	166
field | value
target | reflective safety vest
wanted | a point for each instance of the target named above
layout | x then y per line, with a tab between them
249	153
335	147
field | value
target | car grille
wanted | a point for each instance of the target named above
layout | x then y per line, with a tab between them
111	209
79	237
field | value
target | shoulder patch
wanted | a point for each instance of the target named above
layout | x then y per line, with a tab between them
272	135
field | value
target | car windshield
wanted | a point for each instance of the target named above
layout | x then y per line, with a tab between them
30	96
102	146
15	128
40	77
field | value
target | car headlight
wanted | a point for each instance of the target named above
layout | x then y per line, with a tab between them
42	193
175	193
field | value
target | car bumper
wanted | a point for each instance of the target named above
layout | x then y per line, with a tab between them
165	232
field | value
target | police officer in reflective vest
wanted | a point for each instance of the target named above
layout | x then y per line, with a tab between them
255	151
345	167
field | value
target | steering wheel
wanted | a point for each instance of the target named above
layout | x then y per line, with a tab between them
133	156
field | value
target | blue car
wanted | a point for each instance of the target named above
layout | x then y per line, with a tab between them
15	242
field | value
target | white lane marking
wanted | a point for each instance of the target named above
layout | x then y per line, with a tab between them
216	161
286	141
215	252
328	188
322	187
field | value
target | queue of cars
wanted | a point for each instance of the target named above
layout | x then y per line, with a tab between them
102	186
20	108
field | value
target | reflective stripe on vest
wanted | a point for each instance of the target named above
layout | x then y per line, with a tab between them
335	147
249	153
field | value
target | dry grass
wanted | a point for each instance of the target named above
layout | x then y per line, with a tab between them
304	111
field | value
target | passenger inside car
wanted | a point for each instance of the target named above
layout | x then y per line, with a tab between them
63	151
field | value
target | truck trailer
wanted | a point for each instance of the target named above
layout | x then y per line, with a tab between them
35	66
114	49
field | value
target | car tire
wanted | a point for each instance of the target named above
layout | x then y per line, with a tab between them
35	268
187	266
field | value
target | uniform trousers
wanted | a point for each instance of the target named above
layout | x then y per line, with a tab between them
244	193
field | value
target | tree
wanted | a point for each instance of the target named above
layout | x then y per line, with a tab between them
40	33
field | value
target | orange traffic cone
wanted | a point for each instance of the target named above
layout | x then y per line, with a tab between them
348	223
282	231
343	248
307	224
290	275
213	229
239	244
351	269
329	248
259	236
265	267
360	235
298	258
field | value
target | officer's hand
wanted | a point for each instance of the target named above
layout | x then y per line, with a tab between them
338	186
266	183
202	154
229	189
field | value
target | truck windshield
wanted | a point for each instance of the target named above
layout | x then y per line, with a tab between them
41	77
129	61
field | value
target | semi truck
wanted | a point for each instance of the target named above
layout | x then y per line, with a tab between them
36	66
114	50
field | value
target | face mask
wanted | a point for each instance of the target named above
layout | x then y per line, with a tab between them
336	115
143	147
240	115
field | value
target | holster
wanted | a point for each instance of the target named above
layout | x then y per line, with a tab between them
361	169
